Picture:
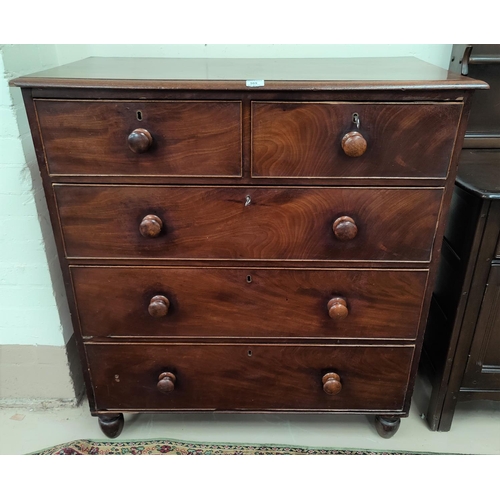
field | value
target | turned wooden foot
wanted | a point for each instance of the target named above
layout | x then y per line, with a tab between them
111	425
387	426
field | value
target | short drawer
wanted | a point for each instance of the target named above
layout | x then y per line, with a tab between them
142	138
256	303
295	140
248	223
249	377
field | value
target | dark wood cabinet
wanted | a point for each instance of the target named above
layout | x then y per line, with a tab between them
483	366
461	354
228	247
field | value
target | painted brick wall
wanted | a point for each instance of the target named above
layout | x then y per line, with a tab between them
32	297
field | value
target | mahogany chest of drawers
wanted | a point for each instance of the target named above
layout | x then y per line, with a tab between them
248	235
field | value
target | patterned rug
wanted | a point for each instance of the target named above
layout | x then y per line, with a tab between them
170	447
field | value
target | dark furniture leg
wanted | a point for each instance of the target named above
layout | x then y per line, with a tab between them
387	426
111	425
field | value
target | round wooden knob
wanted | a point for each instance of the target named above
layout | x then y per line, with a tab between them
354	144
166	382
150	226
345	228
158	306
337	308
140	140
331	384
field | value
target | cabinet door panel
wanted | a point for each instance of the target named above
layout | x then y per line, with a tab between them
483	368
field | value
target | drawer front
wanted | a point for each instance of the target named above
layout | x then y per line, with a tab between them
248	223
305	139
188	139
248	377
259	303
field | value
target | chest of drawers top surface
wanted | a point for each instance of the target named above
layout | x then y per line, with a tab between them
248	235
256	74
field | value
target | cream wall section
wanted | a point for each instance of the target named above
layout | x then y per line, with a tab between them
32	298
432	53
39	366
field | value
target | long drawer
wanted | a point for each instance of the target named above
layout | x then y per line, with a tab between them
248	223
301	140
142	138
249	377
252	303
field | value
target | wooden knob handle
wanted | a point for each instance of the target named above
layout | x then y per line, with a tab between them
140	140
337	308
331	384
158	306
166	382
345	228
354	144
150	226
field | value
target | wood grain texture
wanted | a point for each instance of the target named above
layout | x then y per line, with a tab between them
277	224
294	139
258	303
248	377
190	138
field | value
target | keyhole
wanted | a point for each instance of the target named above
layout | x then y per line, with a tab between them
117	378
355	119
139	115
249	353
248	200
249	279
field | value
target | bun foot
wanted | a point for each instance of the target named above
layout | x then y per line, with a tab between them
111	425
386	426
